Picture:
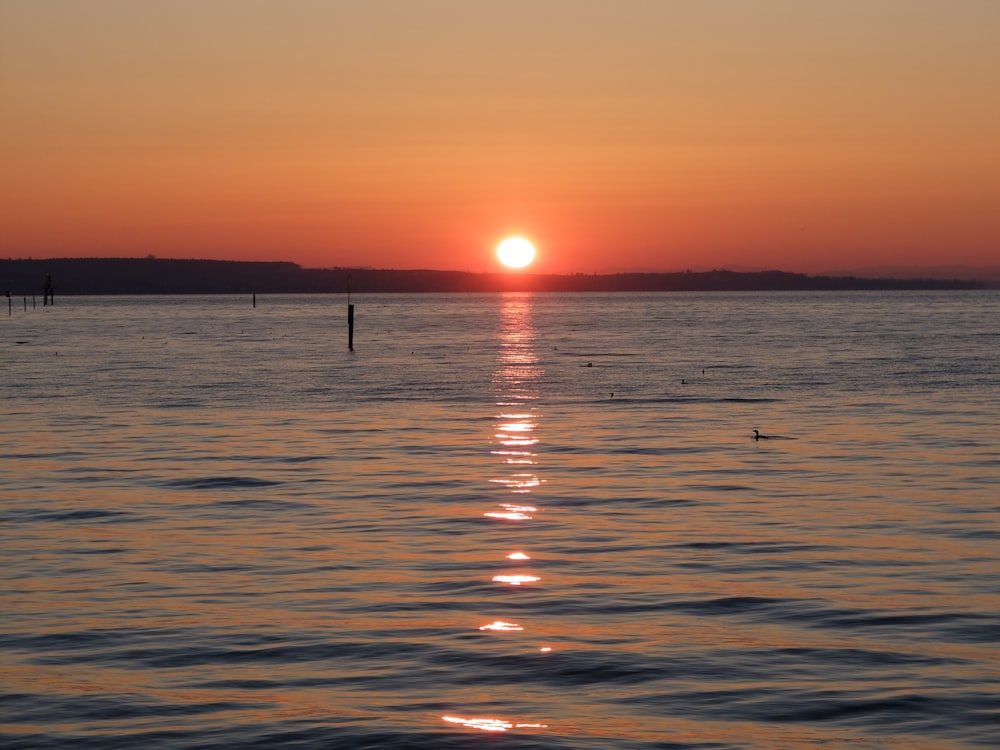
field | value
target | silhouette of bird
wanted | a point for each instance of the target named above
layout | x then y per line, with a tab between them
758	436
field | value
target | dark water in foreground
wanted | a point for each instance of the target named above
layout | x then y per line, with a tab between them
218	528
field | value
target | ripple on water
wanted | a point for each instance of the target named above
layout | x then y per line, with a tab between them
218	483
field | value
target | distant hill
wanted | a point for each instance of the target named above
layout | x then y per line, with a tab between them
965	273
72	276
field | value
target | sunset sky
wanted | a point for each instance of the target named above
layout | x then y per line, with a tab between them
626	135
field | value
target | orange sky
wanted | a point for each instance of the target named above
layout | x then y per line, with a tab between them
627	135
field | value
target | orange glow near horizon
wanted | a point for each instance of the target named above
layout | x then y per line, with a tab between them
346	137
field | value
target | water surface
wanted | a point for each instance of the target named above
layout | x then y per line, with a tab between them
541	516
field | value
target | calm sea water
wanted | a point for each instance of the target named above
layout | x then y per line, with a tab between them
504	521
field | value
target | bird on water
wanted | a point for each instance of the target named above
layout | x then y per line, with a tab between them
758	436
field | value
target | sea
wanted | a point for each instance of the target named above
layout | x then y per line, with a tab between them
502	521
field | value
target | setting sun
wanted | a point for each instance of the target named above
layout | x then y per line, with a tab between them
515	252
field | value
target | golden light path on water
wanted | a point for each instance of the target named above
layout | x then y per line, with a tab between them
491	725
501	625
513	512
513	443
515	580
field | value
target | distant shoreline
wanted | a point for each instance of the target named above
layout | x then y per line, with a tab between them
119	276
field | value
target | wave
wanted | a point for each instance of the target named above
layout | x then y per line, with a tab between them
217	483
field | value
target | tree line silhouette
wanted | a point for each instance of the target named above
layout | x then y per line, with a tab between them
150	275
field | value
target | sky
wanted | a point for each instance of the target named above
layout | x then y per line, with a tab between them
622	135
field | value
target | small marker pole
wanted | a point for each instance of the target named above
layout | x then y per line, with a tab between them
350	317
255	300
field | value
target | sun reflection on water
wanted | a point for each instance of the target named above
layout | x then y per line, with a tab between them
517	421
491	725
519	483
517	368
513	512
514	442
515	580
501	625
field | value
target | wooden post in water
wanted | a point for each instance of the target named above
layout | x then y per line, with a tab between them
255	300
50	295
350	317
9	313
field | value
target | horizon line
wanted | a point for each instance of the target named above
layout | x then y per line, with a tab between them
882	270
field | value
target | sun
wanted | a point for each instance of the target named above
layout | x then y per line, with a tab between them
516	252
